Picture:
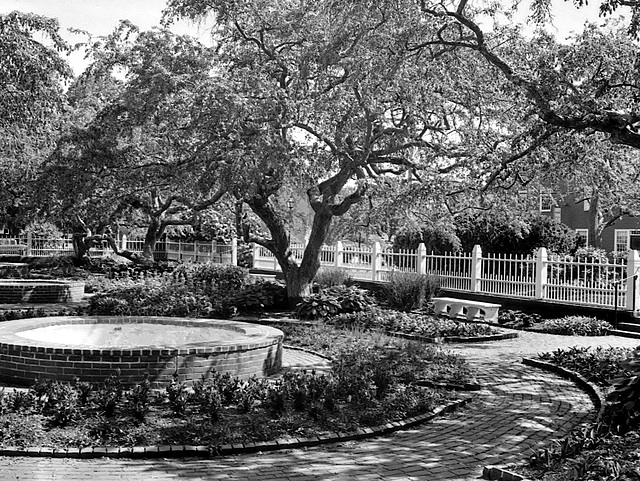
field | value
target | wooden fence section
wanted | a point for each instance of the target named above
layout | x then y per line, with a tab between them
592	282
196	251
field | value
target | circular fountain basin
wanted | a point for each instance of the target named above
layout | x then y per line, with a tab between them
162	348
40	291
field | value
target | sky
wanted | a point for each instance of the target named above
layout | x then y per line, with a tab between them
100	17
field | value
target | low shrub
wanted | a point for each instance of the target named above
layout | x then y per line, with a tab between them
151	299
518	319
624	410
408	290
317	306
334	300
576	326
213	279
598	365
329	277
423	325
15	314
259	296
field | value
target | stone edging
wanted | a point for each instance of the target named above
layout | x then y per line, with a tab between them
308	351
229	449
593	391
500	474
456	339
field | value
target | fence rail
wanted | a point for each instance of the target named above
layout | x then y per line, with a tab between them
584	281
196	251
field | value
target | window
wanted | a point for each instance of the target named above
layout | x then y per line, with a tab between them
622	239
583	236
546	202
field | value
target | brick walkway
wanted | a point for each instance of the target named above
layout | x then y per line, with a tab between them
519	408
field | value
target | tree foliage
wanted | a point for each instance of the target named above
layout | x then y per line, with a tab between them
32	73
341	99
140	151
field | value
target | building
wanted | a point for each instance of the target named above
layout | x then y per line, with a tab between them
564	208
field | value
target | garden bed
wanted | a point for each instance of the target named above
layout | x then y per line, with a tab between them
372	384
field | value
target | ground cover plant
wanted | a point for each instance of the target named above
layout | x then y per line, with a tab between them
567	326
373	381
419	324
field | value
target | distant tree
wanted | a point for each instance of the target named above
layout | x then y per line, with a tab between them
503	233
32	74
139	156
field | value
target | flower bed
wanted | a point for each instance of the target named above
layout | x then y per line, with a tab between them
372	382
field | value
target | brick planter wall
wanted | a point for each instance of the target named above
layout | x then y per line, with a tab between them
40	291
22	360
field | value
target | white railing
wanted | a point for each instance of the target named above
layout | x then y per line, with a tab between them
196	251
562	279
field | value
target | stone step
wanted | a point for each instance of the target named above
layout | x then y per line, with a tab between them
629	327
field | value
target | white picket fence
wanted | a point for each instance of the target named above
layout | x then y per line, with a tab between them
610	284
196	251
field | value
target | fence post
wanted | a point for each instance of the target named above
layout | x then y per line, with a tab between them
422	259
29	244
123	242
256	251
376	259
633	269
541	273
234	251
476	268
337	254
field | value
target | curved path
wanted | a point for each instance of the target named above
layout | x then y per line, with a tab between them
519	408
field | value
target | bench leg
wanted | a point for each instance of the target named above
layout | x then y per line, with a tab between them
491	314
440	308
456	309
472	313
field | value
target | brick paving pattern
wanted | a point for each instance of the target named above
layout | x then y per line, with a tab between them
518	409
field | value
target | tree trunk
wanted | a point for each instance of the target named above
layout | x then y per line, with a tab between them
595	221
150	240
298	286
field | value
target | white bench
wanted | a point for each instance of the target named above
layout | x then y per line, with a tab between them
472	309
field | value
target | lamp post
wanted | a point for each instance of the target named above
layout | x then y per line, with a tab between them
290	204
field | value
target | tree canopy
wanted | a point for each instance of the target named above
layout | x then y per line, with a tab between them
32	73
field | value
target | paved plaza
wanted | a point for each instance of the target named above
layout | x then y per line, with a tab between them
518	409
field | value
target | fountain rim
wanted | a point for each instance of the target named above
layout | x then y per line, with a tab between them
9	340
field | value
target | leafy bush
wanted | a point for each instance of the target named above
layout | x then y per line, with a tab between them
139	398
153	299
576	326
213	279
259	296
625	398
14	314
598	365
501	232
317	306
438	238
518	319
334	300
408	290
58	400
330	277
410	323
